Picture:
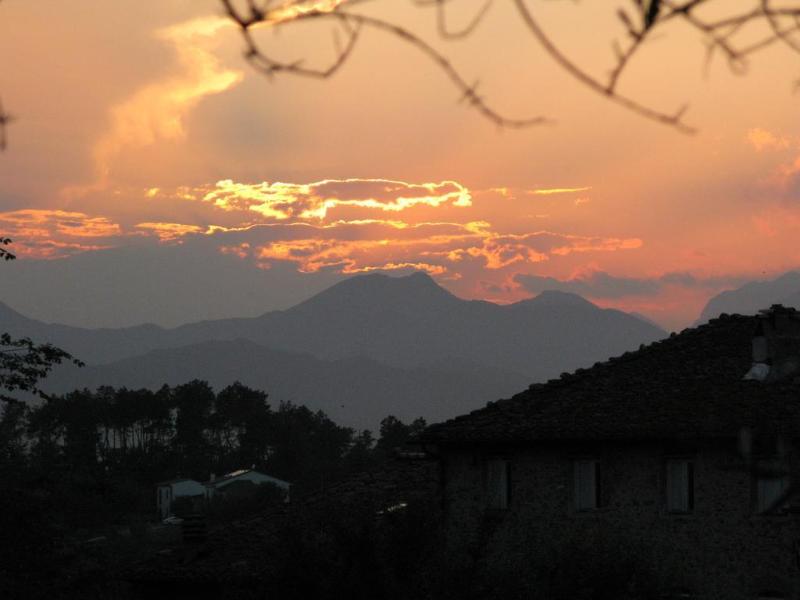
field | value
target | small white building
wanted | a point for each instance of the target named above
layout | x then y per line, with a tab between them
169	491
241	477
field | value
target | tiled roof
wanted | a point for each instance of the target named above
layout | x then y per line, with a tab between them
236	474
172	481
688	385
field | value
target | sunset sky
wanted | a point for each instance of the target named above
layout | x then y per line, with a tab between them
141	126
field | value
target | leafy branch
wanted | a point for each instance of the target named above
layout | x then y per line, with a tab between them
24	363
5	254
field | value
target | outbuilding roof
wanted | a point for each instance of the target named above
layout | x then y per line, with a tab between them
689	385
236	474
178	480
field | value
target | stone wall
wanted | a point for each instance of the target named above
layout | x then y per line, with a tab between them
721	550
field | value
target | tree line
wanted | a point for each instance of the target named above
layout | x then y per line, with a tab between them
108	448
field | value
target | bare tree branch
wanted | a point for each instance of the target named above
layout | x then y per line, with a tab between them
608	90
353	23
5	119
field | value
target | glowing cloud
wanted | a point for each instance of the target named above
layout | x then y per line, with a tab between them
438	248
157	110
313	201
297	8
513	193
761	140
564	190
56	233
169	231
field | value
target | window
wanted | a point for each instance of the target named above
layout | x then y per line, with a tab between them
769	491
587	485
680	486
498	483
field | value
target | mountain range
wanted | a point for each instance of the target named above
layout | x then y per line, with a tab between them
366	347
754	296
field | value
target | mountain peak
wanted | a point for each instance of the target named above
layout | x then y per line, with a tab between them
417	291
559	298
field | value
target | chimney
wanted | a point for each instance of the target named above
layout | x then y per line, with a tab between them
776	344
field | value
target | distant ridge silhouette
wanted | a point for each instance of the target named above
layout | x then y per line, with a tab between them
403	323
752	297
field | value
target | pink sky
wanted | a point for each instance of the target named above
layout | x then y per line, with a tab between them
145	125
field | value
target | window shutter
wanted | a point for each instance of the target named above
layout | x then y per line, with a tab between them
497	483
679	486
586	488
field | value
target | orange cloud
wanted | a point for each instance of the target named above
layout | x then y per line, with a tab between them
439	248
313	201
564	190
511	193
391	266
356	256
169	231
502	250
56	233
157	111
761	140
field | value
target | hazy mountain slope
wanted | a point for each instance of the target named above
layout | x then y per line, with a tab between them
354	392
90	345
164	284
400	321
753	296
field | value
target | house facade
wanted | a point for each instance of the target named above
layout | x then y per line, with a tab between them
169	491
662	473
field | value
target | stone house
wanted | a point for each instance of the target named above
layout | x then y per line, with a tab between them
670	468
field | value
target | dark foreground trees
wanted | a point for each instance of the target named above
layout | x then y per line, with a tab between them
84	465
116	444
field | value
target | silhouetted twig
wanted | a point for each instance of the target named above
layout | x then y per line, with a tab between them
722	35
5	119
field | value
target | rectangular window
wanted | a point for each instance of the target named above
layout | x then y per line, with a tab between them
680	486
587	485
498	483
769	491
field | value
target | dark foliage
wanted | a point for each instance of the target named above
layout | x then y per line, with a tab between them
86	464
5	254
24	363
